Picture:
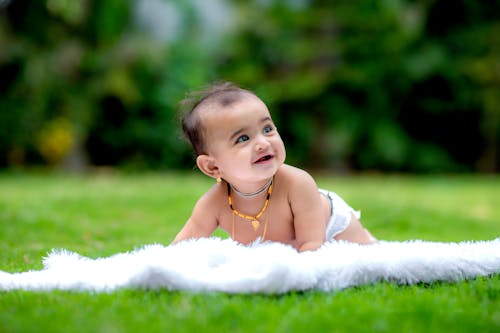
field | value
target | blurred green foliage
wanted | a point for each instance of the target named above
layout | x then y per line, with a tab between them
387	85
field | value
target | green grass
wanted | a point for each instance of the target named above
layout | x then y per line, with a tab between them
102	214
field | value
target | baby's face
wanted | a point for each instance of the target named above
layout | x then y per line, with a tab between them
243	140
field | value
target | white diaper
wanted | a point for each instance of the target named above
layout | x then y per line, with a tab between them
340	214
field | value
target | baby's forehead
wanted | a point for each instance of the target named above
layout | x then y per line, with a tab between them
215	118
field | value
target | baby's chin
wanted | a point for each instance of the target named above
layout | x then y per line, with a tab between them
268	168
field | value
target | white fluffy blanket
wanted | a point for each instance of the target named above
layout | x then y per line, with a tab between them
222	265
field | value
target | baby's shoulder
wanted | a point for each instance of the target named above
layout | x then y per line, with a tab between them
295	177
214	197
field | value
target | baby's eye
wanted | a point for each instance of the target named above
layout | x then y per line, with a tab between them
267	129
242	138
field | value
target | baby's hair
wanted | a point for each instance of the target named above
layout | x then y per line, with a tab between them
218	94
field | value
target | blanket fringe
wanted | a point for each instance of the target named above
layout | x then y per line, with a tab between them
214	264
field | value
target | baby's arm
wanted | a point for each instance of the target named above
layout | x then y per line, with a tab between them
307	211
202	222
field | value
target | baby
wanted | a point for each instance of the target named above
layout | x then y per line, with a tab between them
256	194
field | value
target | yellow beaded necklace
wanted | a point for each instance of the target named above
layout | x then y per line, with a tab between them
253	219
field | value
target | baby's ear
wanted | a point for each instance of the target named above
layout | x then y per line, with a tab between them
207	165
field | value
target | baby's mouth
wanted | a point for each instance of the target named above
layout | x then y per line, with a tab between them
264	158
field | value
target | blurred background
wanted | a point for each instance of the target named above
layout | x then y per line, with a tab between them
386	86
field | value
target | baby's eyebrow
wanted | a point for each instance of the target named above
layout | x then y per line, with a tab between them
236	133
243	129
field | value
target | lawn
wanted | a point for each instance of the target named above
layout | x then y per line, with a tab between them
105	213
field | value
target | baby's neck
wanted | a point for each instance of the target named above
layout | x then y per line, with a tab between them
252	193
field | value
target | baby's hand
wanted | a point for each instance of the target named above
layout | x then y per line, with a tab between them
310	246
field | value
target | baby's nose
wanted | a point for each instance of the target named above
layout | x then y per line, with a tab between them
262	143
